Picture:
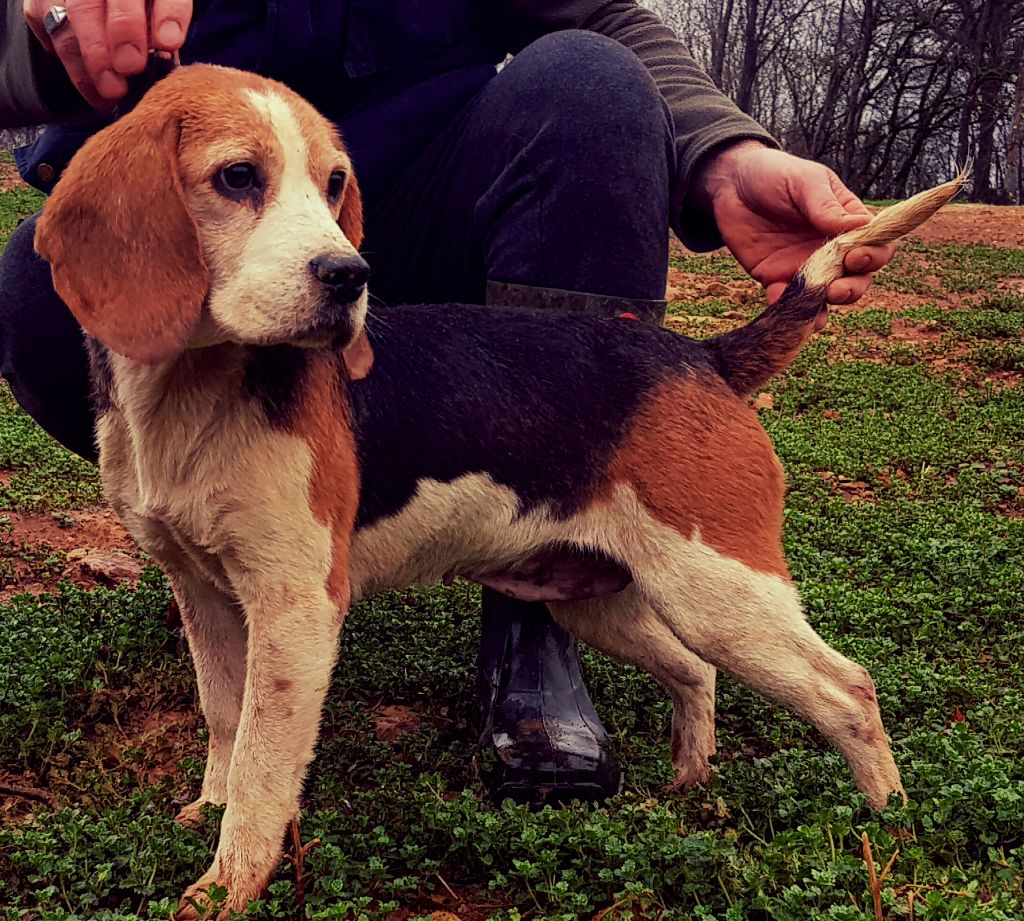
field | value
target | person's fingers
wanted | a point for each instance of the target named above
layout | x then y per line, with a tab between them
863	259
844	291
813	194
87	20
170	20
34	11
127	35
848	289
65	46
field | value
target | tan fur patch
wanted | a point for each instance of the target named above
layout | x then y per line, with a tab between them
322	419
699	462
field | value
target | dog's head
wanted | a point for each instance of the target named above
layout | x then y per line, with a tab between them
222	208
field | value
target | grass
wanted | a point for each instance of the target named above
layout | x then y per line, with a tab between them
949	268
723	266
917	572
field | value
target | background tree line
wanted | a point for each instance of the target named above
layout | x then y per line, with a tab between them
889	93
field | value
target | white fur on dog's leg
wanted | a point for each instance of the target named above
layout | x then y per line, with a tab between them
693	727
215	629
625	627
286	683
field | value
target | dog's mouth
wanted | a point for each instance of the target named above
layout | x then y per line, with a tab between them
335	328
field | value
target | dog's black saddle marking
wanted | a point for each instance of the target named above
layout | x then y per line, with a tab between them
538	401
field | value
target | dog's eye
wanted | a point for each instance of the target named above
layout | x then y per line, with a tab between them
335	185
238	177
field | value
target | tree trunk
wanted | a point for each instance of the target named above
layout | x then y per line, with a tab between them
720	42
751	62
1016	141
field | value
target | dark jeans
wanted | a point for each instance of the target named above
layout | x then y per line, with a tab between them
555	175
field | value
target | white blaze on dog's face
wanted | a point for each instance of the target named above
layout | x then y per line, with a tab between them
267	197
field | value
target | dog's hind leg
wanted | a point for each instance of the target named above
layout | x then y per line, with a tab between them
751	624
626	628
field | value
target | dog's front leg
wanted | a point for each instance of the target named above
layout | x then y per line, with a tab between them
292	640
214	625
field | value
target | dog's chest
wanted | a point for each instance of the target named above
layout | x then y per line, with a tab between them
194	472
173	505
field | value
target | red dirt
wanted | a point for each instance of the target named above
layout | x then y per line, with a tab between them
9	178
96	528
97	547
392	721
996	225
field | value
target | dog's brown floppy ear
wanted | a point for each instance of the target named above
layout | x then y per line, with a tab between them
358	356
351	218
122	245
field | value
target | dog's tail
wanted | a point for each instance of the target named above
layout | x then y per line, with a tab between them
750	356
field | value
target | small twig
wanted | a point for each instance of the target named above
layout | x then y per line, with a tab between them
444	883
910	903
298	860
33	793
604	912
888	866
876	891
874	879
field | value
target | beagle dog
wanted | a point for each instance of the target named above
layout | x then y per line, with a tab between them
208	242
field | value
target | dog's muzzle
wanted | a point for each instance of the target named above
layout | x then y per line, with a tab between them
339	315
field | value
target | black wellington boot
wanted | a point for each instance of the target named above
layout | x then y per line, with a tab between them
541	740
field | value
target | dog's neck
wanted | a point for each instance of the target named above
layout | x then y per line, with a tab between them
188	388
175	404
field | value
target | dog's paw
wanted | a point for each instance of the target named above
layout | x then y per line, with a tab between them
695	774
215	899
191	816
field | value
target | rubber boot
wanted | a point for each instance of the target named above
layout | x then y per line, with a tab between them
541	739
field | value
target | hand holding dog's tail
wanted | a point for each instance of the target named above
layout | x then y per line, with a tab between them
750	356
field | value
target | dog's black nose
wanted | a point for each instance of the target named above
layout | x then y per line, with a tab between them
344	276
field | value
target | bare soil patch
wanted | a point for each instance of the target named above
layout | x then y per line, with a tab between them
933	349
94	546
392	721
95	528
691	286
9	178
878	298
994	225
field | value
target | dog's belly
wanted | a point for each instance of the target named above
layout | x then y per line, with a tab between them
472	527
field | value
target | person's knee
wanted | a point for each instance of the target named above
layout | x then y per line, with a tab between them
42	355
597	94
19	251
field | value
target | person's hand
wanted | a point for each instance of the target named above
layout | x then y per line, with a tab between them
105	41
774	209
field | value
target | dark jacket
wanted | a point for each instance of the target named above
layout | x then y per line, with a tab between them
365	62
